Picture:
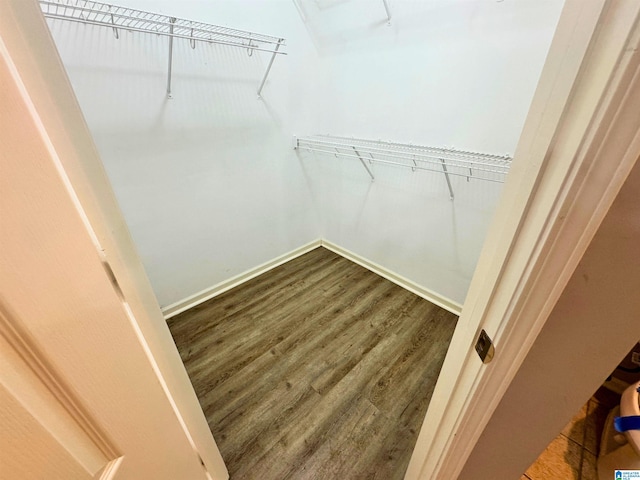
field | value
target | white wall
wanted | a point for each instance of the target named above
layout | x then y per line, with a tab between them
444	73
208	182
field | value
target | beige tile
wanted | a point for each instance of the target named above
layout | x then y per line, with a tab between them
575	428
589	466
593	425
560	460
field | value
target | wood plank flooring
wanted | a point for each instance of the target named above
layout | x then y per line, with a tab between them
318	369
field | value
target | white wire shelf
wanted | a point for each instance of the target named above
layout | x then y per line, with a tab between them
124	18
447	161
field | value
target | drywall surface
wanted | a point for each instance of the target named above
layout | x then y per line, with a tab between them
443	73
208	181
590	330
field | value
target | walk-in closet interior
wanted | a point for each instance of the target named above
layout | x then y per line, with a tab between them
308	184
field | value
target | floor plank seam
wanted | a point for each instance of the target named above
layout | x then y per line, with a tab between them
333	385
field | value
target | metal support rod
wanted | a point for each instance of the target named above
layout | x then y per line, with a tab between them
172	20
115	30
364	164
446	175
273	57
386	7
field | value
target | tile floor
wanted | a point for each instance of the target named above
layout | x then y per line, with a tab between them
572	454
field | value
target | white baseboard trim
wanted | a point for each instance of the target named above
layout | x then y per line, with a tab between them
399	280
208	293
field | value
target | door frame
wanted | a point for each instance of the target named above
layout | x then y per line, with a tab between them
579	143
558	192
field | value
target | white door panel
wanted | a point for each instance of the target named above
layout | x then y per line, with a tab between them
23	434
39	413
80	395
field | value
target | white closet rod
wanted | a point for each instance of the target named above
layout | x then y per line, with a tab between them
461	163
123	18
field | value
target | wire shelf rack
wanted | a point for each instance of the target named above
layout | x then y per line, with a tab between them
447	161
124	18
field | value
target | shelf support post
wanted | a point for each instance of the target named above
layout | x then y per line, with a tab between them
115	30
172	20
266	74
446	175
364	164
386	7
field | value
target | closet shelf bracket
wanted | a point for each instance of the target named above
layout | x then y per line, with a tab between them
386	8
266	73
446	176
170	68
115	30
364	164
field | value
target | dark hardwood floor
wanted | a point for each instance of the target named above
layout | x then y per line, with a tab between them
318	369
